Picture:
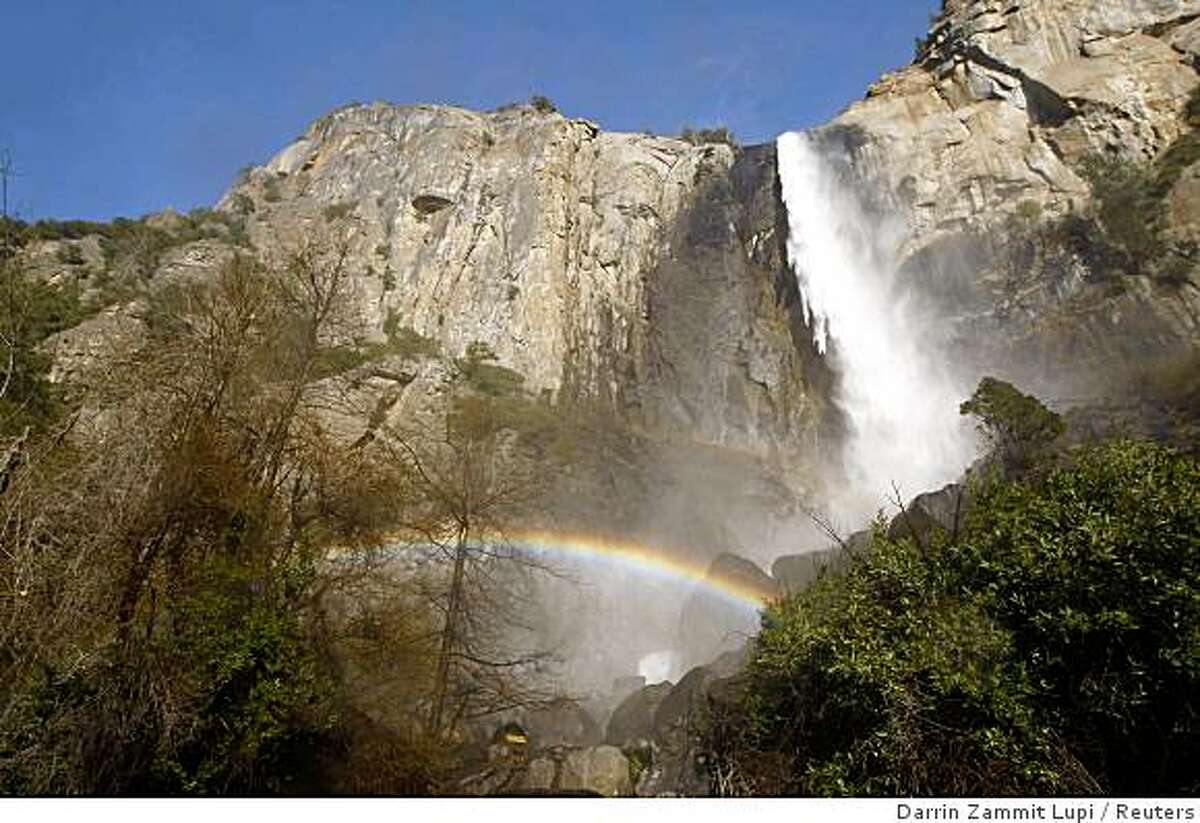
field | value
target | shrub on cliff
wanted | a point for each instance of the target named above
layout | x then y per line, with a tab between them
718	135
543	104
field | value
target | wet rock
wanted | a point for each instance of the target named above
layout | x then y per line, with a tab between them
601	771
944	510
718	617
562	723
796	572
633	719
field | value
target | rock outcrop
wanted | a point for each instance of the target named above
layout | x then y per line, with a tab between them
1007	95
633	720
639	272
715	619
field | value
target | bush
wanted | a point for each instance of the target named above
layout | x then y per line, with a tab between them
886	682
261	695
1129	208
69	254
32	312
337	211
1095	571
718	135
477	366
1054	649
543	104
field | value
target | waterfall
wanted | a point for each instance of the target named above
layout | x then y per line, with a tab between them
895	386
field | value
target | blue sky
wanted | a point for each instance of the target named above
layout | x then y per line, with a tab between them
114	107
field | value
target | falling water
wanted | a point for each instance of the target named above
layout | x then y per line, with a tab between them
895	388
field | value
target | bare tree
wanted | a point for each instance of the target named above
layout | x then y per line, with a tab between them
201	449
466	483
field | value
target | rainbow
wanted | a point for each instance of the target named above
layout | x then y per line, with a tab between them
642	558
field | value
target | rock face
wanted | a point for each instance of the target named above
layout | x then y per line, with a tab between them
712	622
945	509
1006	96
635	271
633	719
980	147
562	723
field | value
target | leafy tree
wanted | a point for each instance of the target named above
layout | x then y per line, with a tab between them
1017	425
1095	570
886	681
30	312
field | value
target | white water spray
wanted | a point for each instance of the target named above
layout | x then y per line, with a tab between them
897	394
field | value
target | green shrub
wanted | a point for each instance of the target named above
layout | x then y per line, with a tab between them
1054	648
886	681
32	312
1095	570
1129	207
406	341
69	254
543	104
718	135
261	694
477	366
337	211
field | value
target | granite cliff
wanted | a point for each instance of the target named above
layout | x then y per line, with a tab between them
1007	147
646	276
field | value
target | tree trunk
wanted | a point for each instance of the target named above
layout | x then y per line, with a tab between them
453	607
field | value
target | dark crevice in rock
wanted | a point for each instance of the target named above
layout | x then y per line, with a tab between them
1046	107
1167	26
430	203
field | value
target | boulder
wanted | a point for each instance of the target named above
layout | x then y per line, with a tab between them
600	769
719	617
944	510
633	719
562	723
796	572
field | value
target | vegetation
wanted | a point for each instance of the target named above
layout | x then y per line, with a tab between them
543	104
338	211
1128	207
717	135
30	312
1050	648
1018	427
198	596
402	341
